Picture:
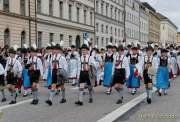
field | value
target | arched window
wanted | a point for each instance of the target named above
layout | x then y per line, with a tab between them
7	37
23	38
6	5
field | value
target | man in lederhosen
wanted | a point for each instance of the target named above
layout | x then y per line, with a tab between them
35	73
13	71
120	72
147	74
86	62
59	73
2	83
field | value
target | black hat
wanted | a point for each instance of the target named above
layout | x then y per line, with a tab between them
12	50
32	49
109	46
84	46
129	46
73	46
149	48
164	51
58	47
120	48
24	50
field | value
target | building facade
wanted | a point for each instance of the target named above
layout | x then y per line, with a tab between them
109	19
178	38
17	22
144	25
132	21
154	25
65	20
168	31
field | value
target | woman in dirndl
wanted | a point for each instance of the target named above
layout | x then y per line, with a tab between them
162	78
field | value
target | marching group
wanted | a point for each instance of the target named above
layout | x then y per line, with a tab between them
86	68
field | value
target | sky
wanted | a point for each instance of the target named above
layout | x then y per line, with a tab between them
169	8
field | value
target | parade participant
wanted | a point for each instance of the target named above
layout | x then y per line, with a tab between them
59	74
136	63
84	79
173	61
162	79
121	72
148	73
13	71
2	82
25	76
129	46
74	65
98	70
108	64
178	59
35	73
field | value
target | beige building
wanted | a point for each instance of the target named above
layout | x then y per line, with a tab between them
64	20
168	31
178	38
17	23
109	19
154	25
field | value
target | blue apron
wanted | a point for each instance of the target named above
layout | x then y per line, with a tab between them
108	73
162	78
49	75
25	76
133	81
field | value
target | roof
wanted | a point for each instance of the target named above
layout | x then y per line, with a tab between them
148	6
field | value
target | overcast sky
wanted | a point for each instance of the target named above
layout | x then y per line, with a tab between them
169	8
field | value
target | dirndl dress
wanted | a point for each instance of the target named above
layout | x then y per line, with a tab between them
26	81
108	73
49	75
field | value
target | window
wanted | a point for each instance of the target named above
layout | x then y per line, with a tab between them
51	7
77	14
22	7
7	37
85	16
97	41
70	12
70	40
97	6
102	28
107	29
23	38
106	10
107	41
102	41
51	37
91	18
111	11
115	32
39	43
102	7
61	37
115	14
39	6
97	27
111	30
6	5
61	9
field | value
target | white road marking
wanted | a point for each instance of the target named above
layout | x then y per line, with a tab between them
18	103
75	88
114	115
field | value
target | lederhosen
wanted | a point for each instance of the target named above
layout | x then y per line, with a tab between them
34	73
55	65
119	73
11	78
134	60
164	62
84	75
147	78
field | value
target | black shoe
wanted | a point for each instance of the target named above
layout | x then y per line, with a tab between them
79	103
12	102
74	84
36	102
32	102
25	95
63	101
49	102
3	100
149	100
90	100
119	101
159	93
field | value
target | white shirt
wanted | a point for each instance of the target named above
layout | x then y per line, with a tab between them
89	60
124	64
38	66
62	61
2	71
17	67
